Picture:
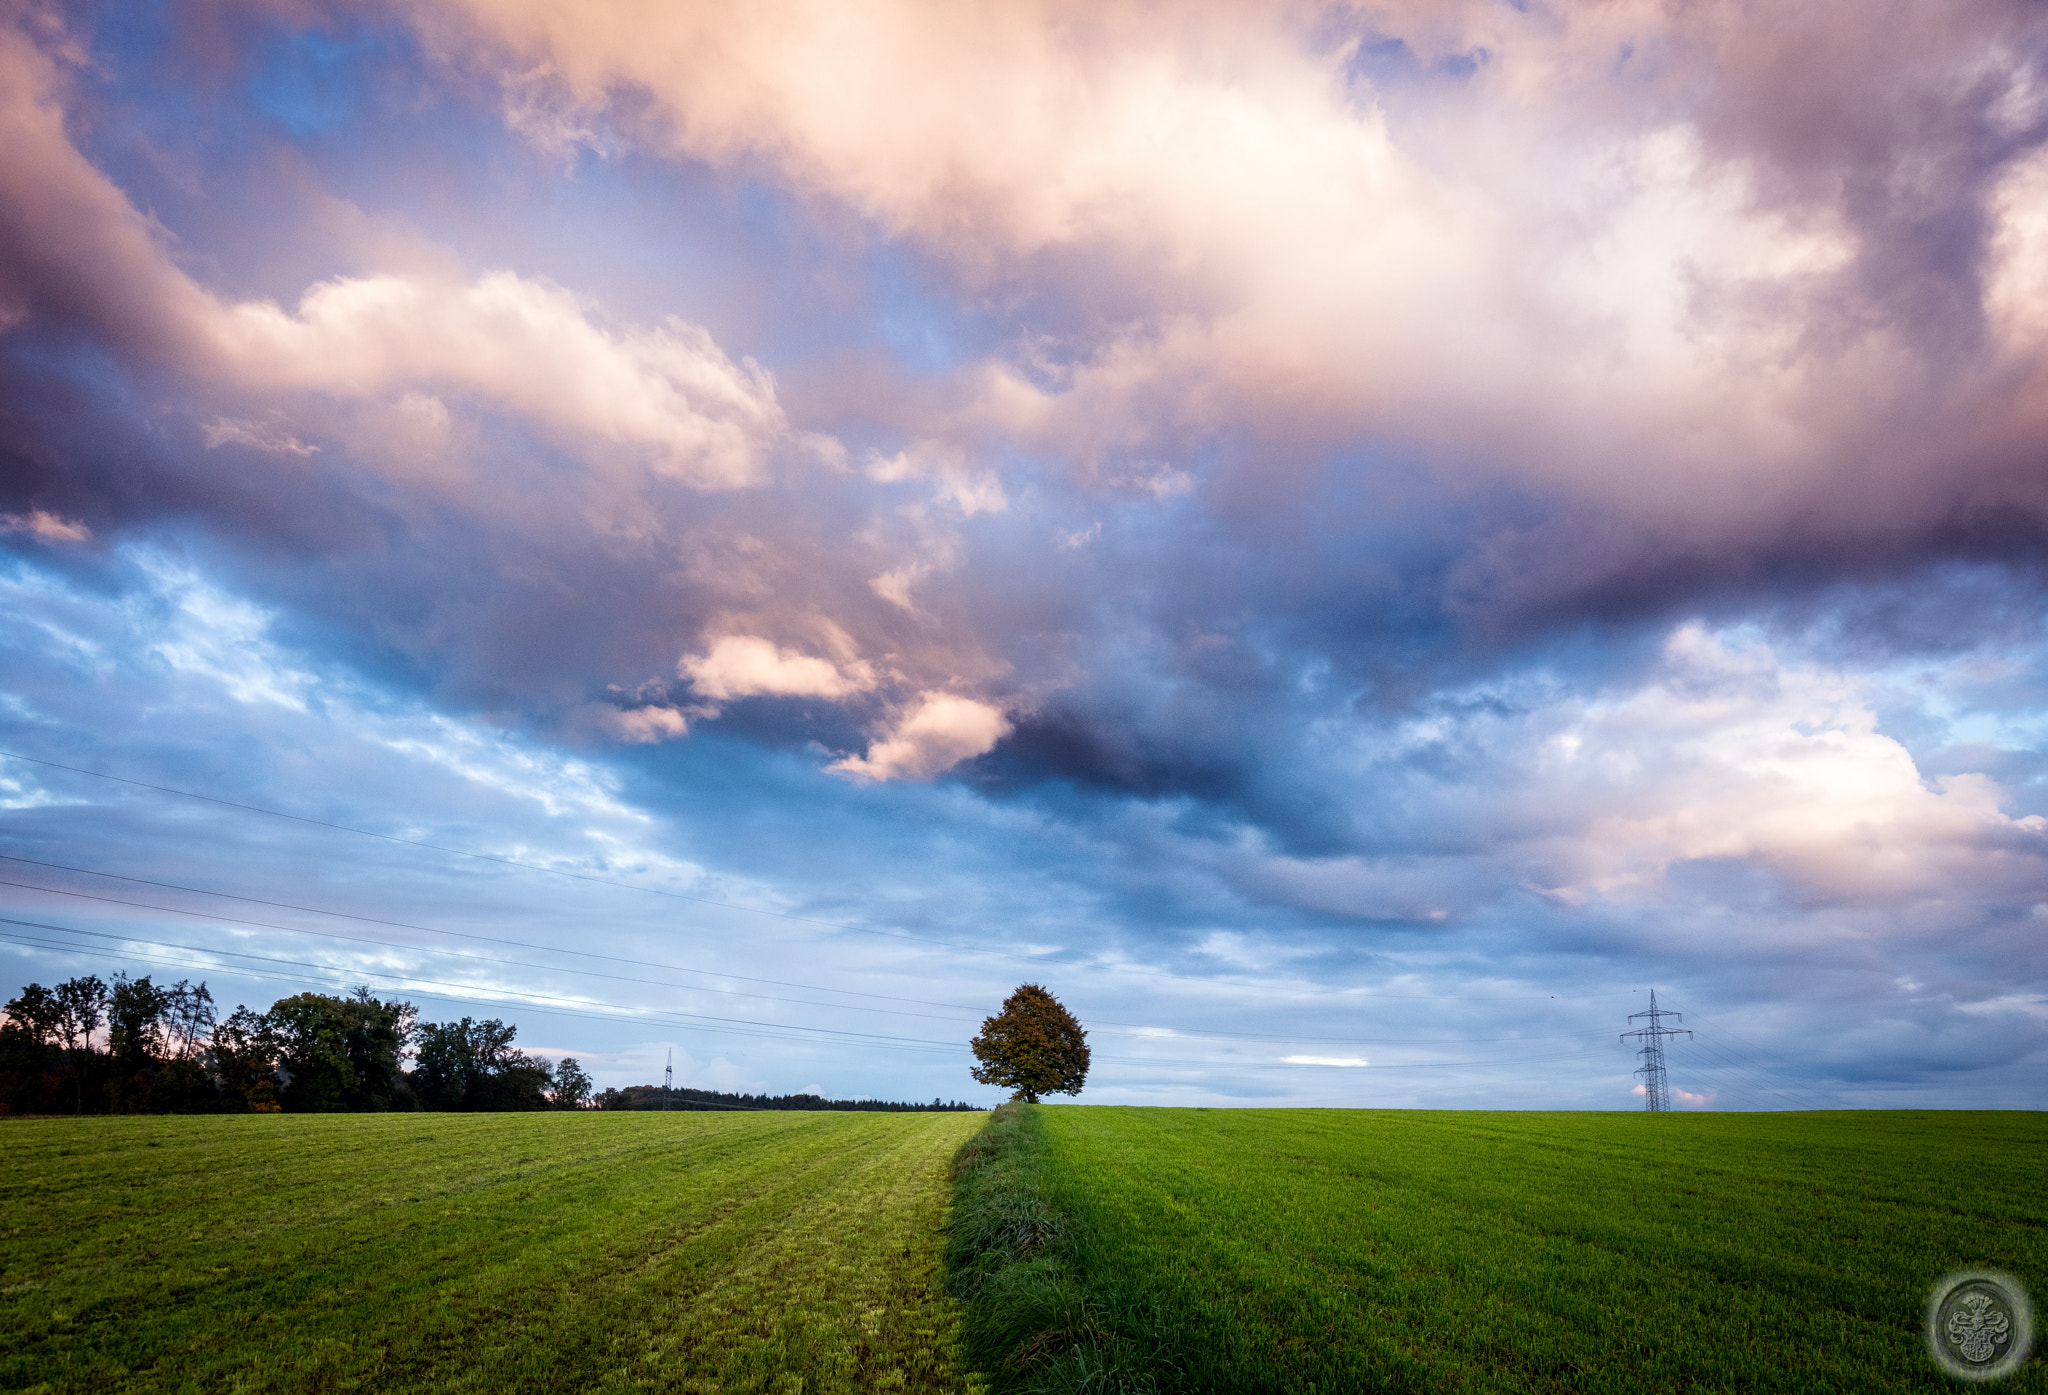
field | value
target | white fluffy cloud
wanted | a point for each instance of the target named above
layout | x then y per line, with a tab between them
1725	754
738	666
1729	754
645	725
667	394
939	732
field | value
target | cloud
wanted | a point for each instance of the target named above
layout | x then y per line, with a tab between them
894	585
961	486
489	417
1728	754
44	527
224	431
667	394
1527	242
938	733
1327	1061
1724	804
644	725
738	666
72	247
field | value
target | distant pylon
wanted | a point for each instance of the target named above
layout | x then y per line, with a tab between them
668	1076
1655	1095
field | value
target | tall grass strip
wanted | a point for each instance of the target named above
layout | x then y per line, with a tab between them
1018	1260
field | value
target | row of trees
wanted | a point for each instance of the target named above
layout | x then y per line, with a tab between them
137	1047
683	1097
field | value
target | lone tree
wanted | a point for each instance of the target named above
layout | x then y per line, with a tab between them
1033	1046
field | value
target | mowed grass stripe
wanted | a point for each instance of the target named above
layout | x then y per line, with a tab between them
686	1251
1306	1250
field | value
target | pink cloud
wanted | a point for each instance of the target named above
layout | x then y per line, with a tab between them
45	527
663	399
938	733
737	666
646	725
1622	258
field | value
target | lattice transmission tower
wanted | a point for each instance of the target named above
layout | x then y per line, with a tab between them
1655	1093
668	1076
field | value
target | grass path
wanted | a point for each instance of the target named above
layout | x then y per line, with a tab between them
689	1252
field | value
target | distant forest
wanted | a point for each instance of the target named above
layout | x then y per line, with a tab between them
133	1046
652	1097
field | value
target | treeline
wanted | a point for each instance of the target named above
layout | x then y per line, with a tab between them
136	1047
655	1097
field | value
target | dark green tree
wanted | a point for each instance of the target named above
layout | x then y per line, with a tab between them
182	1083
338	1053
81	1007
241	1055
473	1065
29	1055
189	1022
35	1012
1033	1046
136	1013
571	1086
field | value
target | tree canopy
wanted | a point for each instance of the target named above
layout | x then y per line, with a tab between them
473	1065
1034	1046
138	1047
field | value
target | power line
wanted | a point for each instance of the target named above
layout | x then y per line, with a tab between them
1725	1086
1756	1072
752	1028
657	964
463	934
1039	961
461	954
1385	1065
1130	1028
278	978
515	862
691	1021
1721	1076
327	973
1758	1069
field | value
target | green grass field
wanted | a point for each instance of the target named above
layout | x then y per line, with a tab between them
1091	1248
1324	1250
477	1252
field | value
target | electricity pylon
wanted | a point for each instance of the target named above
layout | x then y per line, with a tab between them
1655	1095
668	1076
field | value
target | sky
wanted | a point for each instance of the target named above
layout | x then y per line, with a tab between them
1351	542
